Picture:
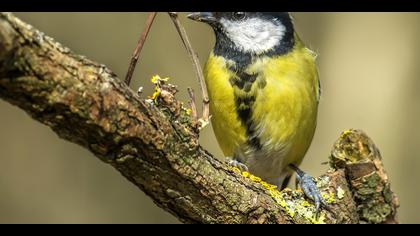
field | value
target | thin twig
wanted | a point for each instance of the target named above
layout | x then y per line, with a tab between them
192	104
139	46
196	64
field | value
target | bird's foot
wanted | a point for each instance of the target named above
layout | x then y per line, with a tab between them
234	163
309	188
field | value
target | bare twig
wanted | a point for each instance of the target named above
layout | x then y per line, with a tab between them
139	46
197	67
192	104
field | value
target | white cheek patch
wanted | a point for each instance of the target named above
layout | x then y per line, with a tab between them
254	35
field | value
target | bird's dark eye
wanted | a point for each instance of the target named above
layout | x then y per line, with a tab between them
239	15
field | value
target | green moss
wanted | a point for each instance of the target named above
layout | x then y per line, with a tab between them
368	186
369	194
387	193
377	213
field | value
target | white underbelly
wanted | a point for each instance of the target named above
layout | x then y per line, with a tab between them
270	165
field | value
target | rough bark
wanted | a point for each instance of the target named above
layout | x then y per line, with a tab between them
155	144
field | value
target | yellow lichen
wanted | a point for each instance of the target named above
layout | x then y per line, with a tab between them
345	133
297	205
157	80
156	94
306	203
328	197
255	178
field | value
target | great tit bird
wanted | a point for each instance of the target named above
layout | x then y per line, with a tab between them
264	92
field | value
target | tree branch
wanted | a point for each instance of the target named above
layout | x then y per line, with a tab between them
155	146
205	119
139	47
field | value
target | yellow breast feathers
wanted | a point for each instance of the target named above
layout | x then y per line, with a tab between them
270	105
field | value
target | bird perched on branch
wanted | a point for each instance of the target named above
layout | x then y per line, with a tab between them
264	92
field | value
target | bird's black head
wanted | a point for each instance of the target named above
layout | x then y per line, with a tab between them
249	33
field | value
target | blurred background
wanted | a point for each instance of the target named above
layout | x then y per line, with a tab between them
369	69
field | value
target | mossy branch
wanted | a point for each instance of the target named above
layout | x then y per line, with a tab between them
155	146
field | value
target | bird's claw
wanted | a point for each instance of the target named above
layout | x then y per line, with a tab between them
310	189
237	164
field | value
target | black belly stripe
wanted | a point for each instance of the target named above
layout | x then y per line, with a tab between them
244	106
244	82
244	110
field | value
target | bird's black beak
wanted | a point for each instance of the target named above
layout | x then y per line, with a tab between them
207	17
